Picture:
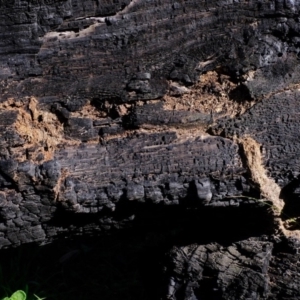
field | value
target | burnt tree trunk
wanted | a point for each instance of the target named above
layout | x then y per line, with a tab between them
116	110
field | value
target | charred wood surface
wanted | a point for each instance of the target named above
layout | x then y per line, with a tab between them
109	109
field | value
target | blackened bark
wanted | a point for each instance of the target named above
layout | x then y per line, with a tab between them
110	108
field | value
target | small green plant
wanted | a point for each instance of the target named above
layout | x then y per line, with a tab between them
20	271
20	295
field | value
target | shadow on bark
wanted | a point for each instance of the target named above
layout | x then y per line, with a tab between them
128	263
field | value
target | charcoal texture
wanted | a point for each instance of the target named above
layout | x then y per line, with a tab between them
248	269
112	108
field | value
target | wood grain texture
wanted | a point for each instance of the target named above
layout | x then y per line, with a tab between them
111	107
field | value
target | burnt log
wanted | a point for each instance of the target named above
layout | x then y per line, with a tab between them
111	108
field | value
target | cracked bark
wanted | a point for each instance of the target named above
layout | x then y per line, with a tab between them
110	109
